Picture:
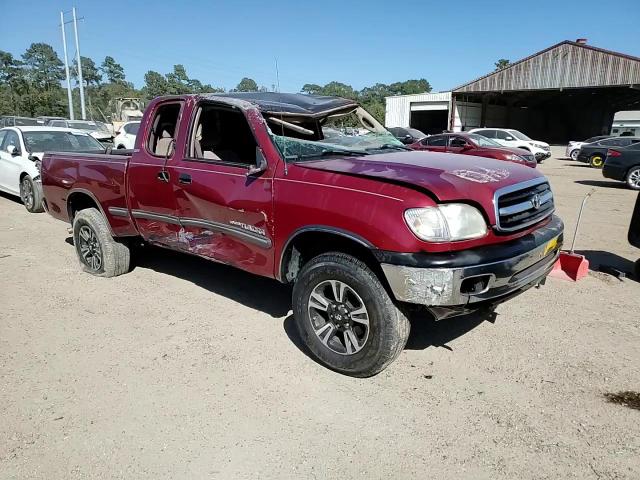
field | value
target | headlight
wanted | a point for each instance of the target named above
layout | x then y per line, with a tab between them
447	222
516	158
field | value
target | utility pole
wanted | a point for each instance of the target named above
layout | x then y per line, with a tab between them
81	83
66	67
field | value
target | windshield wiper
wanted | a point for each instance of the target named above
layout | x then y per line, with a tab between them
390	146
327	152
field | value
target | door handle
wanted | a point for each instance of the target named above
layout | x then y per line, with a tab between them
163	176
184	178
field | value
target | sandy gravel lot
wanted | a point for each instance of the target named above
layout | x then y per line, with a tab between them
188	369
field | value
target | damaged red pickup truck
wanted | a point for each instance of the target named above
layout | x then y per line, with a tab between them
362	228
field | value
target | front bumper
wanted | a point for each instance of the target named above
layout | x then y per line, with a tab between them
476	275
540	156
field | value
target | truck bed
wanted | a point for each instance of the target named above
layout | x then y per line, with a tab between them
69	178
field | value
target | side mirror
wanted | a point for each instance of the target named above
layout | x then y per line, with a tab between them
466	147
508	139
13	150
260	166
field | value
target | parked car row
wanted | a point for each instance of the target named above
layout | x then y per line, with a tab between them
98	130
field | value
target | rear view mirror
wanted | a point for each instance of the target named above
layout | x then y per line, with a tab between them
260	166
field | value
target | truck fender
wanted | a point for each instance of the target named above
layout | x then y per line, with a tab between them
339	232
79	192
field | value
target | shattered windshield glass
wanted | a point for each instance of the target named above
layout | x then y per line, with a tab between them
351	132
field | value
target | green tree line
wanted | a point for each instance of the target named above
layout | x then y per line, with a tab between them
31	85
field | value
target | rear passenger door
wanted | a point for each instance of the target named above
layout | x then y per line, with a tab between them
224	212
150	183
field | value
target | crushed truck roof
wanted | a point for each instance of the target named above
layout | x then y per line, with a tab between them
289	103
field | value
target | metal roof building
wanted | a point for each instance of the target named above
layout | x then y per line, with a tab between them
570	90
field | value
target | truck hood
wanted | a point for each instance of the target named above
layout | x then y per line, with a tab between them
447	176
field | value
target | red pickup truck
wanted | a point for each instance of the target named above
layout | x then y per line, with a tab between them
314	192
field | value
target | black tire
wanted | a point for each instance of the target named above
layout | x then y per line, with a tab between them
574	154
388	327
120	147
596	160
31	194
633	178
114	256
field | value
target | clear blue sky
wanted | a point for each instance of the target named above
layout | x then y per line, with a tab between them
352	41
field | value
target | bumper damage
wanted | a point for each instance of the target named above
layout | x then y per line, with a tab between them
480	276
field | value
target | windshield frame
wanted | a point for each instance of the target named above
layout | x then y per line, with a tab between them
347	144
519	135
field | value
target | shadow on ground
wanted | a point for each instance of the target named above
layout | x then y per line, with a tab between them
599	258
425	331
13	198
259	293
602	183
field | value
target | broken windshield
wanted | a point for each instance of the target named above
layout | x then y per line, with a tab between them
348	132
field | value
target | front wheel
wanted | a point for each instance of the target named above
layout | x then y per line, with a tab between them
574	155
596	161
31	195
633	178
346	317
98	252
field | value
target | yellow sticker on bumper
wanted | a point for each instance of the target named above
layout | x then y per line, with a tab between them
551	246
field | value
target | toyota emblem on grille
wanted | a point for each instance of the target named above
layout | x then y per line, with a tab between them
535	201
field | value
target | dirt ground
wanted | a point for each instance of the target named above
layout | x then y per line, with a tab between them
187	369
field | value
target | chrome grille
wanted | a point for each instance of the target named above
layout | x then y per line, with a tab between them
521	205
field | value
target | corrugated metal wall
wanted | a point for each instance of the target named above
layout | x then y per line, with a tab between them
398	109
568	65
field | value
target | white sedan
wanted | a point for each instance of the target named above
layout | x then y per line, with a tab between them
21	150
516	139
126	137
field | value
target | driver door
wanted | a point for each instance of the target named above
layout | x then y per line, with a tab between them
224	211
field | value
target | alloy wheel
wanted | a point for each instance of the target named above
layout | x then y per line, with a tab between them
90	250
27	193
634	179
339	317
597	161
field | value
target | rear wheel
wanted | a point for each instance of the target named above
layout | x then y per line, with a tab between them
597	160
31	194
346	317
633	178
98	252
